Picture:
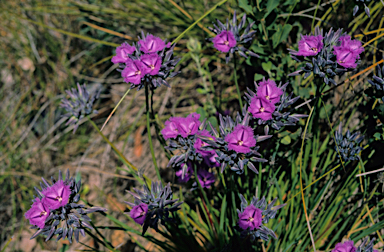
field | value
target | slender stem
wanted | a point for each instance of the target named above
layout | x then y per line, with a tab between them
127	163
149	131
237	85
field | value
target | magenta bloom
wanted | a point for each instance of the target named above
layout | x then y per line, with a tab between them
250	218
310	45
224	41
241	139
200	143
57	195
122	53
211	160
261	108
187	175
38	213
269	91
152	44
348	52
189	125
139	213
171	129
151	63
206	178
133	72
344	247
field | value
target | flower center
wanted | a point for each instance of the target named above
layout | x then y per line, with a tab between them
204	179
226	43
152	67
262	109
142	213
250	219
314	49
138	72
340	61
59	198
240	142
267	97
43	213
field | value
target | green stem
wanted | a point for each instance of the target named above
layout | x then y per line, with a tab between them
149	131
237	85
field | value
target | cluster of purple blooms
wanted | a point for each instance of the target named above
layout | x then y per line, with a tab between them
153	205
184	133
348	246
58	204
146	62
267	104
318	52
252	217
228	38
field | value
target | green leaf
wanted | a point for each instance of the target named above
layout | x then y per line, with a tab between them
245	6
286	140
202	113
281	34
271	5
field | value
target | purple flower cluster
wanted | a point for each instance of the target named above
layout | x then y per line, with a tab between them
228	37
319	51
252	217
262	105
57	203
153	205
267	104
348	246
145	62
185	134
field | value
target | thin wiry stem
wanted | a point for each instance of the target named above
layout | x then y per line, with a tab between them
149	131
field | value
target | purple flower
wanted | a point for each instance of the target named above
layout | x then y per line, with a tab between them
269	91
345	57
348	52
344	247
122	53
133	72
152	44
200	143
241	139
189	125
151	63
224	41
171	129
310	45
57	195
211	160
250	218
206	178
187	175
38	213
139	213
261	108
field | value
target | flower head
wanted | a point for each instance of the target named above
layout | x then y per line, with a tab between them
38	213
348	52
171	129
344	247
250	218
122	53
310	45
354	45
269	91
151	63
261	108
187	175
79	104
200	143
139	213
206	178
241	139
224	41
56	195
151	44
133	72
